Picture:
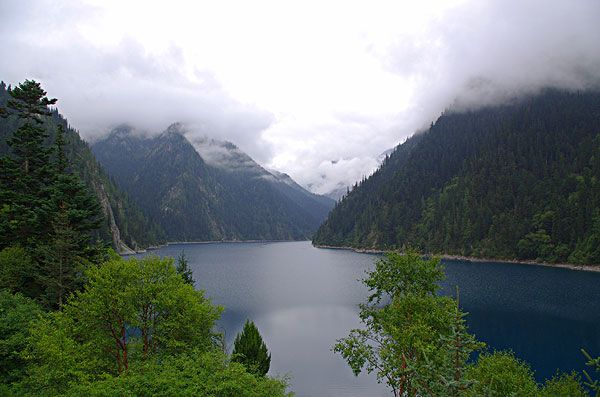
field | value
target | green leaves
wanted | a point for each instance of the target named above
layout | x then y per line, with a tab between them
16	314
251	351
417	343
500	374
130	311
207	374
399	274
184	270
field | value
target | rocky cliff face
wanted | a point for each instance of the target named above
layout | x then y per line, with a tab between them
118	243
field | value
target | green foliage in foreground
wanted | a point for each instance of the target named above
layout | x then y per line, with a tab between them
501	374
16	314
417	343
250	350
137	328
205	374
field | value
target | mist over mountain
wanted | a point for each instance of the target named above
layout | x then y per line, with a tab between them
205	189
294	100
519	180
124	225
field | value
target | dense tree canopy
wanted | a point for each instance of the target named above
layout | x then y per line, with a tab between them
519	180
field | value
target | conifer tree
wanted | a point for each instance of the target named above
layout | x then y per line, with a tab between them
75	213
45	208
27	174
251	351
184	270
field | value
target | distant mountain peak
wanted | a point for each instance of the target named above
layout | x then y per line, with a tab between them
120	131
175	129
227	156
198	188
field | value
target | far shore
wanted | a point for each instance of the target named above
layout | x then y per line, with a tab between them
570	266
155	247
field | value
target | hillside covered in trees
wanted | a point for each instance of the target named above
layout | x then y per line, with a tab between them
208	190
124	225
520	180
76	318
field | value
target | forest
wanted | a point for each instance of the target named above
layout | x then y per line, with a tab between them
513	181
78	319
123	222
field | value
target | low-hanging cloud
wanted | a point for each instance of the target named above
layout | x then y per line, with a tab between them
320	104
102	87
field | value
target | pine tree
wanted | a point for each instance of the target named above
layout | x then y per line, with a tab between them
184	270
251	351
75	214
27	174
45	208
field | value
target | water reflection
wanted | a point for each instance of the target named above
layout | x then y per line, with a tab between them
303	299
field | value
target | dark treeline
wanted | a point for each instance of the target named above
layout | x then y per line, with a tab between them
512	181
122	220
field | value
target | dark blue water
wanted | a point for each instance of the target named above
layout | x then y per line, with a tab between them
303	299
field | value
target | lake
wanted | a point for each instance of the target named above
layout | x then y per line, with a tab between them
303	298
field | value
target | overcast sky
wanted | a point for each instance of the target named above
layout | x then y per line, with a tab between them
316	89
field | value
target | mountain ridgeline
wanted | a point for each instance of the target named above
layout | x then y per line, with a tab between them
207	190
124	226
516	181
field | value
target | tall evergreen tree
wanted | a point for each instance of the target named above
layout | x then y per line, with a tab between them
251	351
68	250
45	208
27	174
184	270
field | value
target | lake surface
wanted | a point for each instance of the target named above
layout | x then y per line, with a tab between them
303	298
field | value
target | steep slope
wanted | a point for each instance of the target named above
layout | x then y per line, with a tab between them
125	225
208	190
513	181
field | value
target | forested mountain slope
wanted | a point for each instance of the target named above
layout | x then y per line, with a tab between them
520	180
125	226
206	189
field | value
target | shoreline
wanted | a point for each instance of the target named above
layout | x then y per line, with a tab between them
155	247
569	266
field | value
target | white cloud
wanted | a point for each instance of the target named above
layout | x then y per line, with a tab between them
297	85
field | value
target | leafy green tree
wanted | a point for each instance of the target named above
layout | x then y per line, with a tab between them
417	343
563	385
184	270
250	350
196	373
129	311
501	374
16	314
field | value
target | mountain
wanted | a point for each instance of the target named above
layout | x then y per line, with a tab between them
207	189
125	226
516	181
338	192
